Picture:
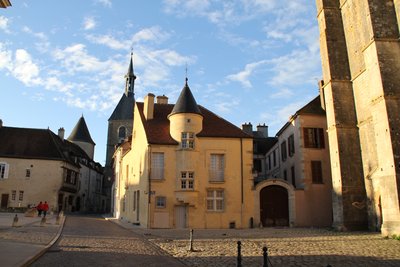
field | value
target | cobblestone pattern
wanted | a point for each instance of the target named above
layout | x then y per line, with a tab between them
286	247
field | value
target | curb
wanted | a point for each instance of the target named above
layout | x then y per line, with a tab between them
32	259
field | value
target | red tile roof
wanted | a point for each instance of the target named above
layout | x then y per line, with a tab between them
157	129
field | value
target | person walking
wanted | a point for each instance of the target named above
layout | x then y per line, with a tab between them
39	208
45	208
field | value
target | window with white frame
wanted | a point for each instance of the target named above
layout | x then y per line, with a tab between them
4	170
187	140
13	194
217	166
157	166
28	173
187	180
161	202
215	199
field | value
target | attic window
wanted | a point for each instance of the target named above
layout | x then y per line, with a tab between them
188	120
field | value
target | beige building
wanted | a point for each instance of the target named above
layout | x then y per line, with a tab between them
38	165
360	54
186	167
297	188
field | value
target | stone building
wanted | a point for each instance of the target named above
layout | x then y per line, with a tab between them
184	167
360	54
297	189
120	126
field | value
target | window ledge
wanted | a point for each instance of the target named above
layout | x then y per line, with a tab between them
157	180
216	182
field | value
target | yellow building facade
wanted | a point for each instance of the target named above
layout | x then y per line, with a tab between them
186	167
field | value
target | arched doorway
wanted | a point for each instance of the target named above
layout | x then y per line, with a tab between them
274	206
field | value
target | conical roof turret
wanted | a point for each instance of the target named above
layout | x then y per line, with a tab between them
81	133
186	102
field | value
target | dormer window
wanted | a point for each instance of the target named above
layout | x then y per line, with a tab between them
187	140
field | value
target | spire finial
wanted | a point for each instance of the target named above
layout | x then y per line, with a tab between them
186	78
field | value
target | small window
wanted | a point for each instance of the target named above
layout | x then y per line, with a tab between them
187	140
161	202
293	176
215	200
187	180
121	133
274	157
316	172
285	175
21	195
13	194
314	138
28	173
291	145
4	170
283	151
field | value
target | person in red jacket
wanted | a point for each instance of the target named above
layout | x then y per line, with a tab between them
45	208
39	208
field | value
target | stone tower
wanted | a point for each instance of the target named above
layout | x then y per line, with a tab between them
360	54
120	123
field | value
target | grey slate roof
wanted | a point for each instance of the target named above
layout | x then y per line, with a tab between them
81	133
124	109
186	102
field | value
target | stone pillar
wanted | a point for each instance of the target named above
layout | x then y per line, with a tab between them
349	194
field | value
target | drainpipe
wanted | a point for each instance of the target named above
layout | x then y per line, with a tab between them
241	182
149	187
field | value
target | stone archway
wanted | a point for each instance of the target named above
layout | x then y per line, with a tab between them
268	211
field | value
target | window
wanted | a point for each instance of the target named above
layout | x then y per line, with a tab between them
3	170
215	200
316	172
283	151
187	140
269	162
187	180
21	195
314	138
157	166
285	175
121	133
13	194
134	200
161	202
293	176
291	145
274	157
28	173
217	167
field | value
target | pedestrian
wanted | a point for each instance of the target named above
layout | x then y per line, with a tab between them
45	208
39	208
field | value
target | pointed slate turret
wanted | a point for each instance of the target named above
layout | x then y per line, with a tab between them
130	80
186	102
80	133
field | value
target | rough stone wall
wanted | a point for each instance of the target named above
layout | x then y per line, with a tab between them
371	41
349	197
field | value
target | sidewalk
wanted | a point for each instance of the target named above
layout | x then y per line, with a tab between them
21	245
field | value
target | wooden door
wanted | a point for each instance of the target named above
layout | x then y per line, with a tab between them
4	201
274	206
180	216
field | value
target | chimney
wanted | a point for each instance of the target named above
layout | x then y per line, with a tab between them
247	128
61	133
149	106
162	99
263	129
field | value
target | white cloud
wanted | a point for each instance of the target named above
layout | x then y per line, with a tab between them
5	58
150	34
106	3
89	23
4	22
243	76
109	41
24	69
283	93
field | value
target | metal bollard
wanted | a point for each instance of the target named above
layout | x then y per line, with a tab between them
265	256
191	240
239	256
15	221
43	221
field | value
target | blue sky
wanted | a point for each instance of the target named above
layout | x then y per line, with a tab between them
247	60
